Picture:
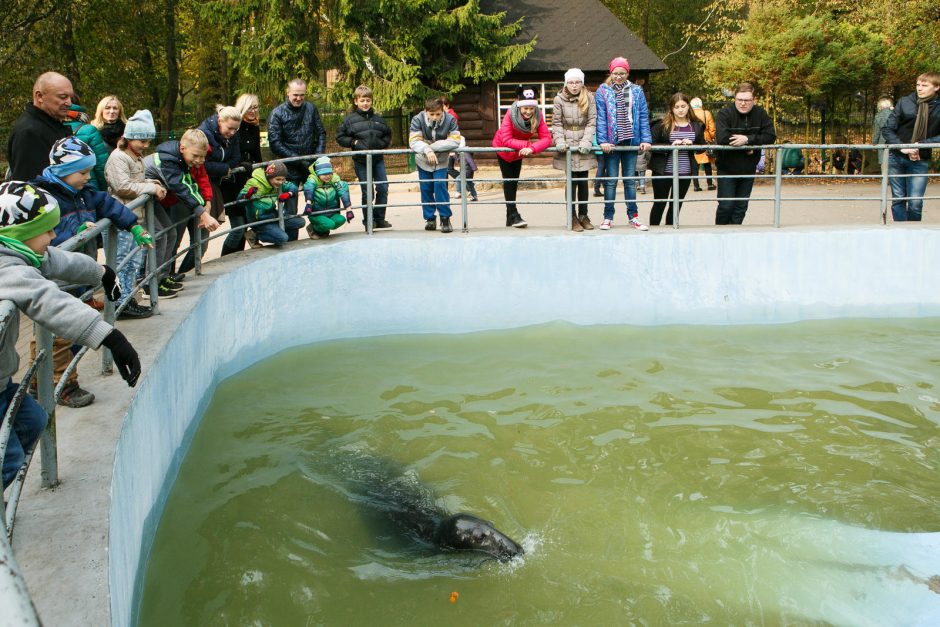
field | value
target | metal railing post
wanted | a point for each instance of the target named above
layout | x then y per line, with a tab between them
280	214
152	256
778	186
569	196
370	194
462	161
44	386
110	257
197	246
18	608
675	188
885	168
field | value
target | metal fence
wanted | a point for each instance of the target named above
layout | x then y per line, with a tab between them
13	594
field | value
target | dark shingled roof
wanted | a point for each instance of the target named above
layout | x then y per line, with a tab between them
573	33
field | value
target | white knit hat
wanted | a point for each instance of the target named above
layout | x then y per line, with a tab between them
574	74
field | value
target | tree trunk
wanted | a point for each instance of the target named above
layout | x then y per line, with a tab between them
69	55
172	65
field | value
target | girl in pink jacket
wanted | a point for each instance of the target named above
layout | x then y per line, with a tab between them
524	130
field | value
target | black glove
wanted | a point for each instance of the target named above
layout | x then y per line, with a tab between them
125	357
109	282
246	166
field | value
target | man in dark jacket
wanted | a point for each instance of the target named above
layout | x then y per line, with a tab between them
739	124
915	120
39	126
294	130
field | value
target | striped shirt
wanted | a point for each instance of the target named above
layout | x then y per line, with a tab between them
685	166
624	104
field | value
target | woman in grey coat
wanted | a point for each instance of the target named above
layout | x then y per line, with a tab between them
573	126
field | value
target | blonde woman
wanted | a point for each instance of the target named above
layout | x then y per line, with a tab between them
573	126
110	120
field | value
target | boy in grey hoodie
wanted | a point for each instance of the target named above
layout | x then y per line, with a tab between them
432	135
28	216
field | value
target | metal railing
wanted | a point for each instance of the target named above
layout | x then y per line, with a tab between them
13	594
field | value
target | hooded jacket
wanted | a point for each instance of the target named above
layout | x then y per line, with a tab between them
168	166
92	136
225	154
83	205
575	129
32	291
263	203
321	196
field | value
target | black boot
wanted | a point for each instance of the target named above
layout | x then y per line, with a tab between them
228	250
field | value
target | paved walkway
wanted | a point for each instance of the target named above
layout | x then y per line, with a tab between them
61	535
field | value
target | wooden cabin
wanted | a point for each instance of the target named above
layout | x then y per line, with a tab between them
582	34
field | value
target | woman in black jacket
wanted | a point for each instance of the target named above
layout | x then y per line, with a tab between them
677	128
249	135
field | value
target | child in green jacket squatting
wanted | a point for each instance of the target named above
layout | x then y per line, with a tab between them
263	193
28	216
324	190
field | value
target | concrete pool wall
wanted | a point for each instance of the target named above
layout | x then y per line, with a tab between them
460	284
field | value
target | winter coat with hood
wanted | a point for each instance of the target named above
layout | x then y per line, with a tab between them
263	202
607	115
91	136
32	291
511	134
224	154
78	206
168	166
364	130
574	128
322	196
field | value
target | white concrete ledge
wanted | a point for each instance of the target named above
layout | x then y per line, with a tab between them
415	284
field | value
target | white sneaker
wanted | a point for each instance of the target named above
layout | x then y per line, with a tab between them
639	226
606	225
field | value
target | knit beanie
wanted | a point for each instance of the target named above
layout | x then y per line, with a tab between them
70	155
140	126
275	169
574	74
26	211
527	96
323	166
619	62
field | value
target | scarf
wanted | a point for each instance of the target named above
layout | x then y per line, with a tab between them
920	122
50	176
624	99
521	123
19	247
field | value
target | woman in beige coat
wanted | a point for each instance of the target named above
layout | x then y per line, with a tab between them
573	122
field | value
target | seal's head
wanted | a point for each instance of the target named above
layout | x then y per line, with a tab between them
466	532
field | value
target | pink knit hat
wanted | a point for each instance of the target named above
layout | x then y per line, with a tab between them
619	62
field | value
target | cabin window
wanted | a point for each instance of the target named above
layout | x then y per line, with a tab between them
506	95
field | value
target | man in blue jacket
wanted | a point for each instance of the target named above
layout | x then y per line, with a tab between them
294	130
915	120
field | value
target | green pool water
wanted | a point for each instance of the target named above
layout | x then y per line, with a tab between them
668	475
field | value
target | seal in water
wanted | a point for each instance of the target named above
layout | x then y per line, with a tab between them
402	499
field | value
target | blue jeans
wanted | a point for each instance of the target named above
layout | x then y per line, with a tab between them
434	194
379	182
272	233
907	210
28	424
128	274
619	164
